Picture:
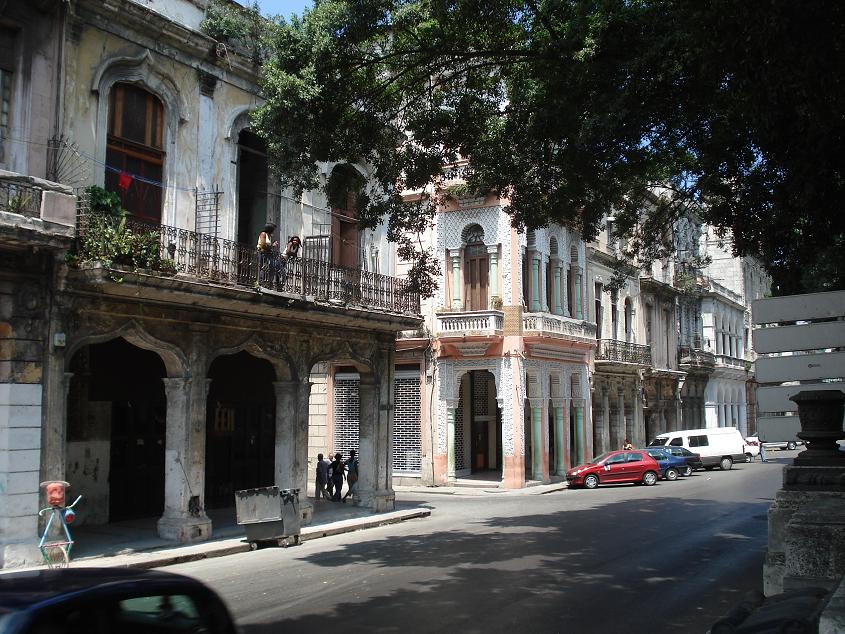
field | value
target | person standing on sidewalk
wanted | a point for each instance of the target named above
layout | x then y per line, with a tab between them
337	475
352	474
762	447
322	478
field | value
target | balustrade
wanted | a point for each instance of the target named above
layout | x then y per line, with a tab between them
477	321
557	325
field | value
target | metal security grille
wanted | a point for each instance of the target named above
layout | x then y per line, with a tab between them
459	435
406	424
480	393
346	412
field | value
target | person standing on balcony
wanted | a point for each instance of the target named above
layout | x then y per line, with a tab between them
290	252
267	260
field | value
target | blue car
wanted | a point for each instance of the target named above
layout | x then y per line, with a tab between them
671	466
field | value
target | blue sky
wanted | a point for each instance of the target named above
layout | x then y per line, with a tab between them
281	7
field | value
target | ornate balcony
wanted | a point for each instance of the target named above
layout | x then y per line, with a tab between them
613	351
480	322
693	359
549	325
167	251
725	361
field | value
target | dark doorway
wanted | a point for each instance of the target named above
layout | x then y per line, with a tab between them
486	442
240	428
116	430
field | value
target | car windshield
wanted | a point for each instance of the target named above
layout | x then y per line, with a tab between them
658	442
657	453
601	458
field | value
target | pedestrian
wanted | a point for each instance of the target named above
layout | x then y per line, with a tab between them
627	446
289	254
337	475
322	480
268	263
762	447
352	474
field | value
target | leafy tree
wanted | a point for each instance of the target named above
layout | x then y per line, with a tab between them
571	109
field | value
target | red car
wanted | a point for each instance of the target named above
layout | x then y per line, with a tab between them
613	467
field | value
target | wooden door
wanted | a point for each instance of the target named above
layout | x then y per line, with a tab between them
476	278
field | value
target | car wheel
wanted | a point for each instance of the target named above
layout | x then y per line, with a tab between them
726	463
671	474
649	478
686	471
591	481
791	445
748	457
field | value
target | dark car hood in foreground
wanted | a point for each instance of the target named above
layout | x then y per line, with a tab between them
21	590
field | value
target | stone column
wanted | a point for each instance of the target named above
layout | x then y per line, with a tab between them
291	449
537	448
544	281
560	444
450	442
606	433
579	432
455	255
184	518
579	300
557	309
375	486
535	283
567	274
493	255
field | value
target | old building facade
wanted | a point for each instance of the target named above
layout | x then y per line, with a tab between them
165	369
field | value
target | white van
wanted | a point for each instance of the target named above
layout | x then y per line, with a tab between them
717	446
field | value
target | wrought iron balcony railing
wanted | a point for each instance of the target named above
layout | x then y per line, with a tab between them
20	198
694	357
623	352
169	250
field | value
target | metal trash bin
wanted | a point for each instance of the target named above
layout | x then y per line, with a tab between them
268	514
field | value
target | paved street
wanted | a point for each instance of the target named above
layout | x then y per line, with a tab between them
670	558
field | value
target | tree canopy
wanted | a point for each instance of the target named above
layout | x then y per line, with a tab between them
573	109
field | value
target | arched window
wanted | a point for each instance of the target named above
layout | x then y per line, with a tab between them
135	150
477	267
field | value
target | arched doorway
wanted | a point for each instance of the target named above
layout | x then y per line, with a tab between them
481	423
240	427
116	431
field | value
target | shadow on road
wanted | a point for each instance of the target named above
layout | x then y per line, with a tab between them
561	571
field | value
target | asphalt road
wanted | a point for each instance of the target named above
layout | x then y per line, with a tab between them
669	558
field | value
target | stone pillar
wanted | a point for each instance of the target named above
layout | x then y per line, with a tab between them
622	427
535	283
493	255
544	281
375	486
557	309
567	274
560	444
579	433
291	449
450	442
184	519
537	448
579	300
455	255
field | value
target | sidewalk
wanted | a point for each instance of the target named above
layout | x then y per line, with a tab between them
136	544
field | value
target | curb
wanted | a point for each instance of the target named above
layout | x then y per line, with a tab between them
158	559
